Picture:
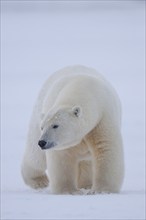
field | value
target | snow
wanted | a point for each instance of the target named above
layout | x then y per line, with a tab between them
28	205
38	38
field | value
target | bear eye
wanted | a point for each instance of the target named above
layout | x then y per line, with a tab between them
77	111
55	126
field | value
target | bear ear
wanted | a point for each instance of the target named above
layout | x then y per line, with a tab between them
77	111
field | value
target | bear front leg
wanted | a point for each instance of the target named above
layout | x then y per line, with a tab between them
33	174
33	167
62	172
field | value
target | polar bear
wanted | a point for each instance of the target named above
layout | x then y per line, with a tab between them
74	139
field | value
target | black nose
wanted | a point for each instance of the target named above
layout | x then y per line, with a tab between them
42	144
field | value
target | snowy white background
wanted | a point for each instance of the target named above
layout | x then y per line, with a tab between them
40	37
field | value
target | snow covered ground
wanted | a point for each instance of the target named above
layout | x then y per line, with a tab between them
39	37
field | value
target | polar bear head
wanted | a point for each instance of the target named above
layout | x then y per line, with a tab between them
62	128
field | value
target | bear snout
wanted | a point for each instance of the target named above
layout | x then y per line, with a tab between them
46	145
42	144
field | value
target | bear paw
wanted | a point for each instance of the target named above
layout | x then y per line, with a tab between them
82	191
100	191
39	182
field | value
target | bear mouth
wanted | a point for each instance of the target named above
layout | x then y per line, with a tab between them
50	145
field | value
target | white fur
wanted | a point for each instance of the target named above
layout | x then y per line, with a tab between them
78	115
